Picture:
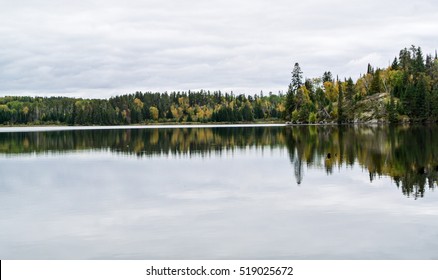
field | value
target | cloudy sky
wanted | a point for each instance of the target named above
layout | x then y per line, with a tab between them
101	48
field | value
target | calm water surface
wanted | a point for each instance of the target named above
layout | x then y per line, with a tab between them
306	192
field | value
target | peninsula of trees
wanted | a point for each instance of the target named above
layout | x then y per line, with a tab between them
406	91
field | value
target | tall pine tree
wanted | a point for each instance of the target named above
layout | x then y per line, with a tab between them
341	116
296	83
349	89
376	83
297	77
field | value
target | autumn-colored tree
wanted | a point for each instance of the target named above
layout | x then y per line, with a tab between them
331	91
154	112
341	116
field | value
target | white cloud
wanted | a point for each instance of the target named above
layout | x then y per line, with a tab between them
102	48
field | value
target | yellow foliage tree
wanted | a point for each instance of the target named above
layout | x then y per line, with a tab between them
331	91
175	112
138	104
154	112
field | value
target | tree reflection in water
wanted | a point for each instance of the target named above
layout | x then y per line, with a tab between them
407	154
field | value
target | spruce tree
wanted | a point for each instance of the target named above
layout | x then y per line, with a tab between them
370	69
428	65
350	89
407	99
419	102
290	102
375	83
296	83
341	117
394	65
327	77
404	59
309	85
419	60
297	77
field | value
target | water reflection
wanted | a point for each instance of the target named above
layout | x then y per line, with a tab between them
407	154
143	142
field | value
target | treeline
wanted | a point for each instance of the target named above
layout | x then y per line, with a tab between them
410	84
192	106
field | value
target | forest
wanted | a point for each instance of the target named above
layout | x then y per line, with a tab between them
138	108
405	91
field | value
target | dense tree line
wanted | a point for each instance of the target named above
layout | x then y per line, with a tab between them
192	106
410	84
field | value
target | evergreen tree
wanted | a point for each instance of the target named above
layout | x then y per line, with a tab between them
247	114
327	77
297	77
394	65
419	60
169	114
290	102
428	65
349	89
407	98
404	60
370	69
341	116
73	116
296	83
419	100
376	83
309	85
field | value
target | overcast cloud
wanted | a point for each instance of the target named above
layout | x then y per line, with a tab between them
102	48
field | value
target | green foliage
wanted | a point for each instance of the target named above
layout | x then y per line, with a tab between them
327	77
200	106
341	116
303	114
295	116
411	80
296	83
394	65
312	117
376	83
349	93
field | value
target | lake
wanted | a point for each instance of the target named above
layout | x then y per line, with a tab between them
219	192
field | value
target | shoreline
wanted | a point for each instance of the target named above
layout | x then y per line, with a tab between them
35	128
54	127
